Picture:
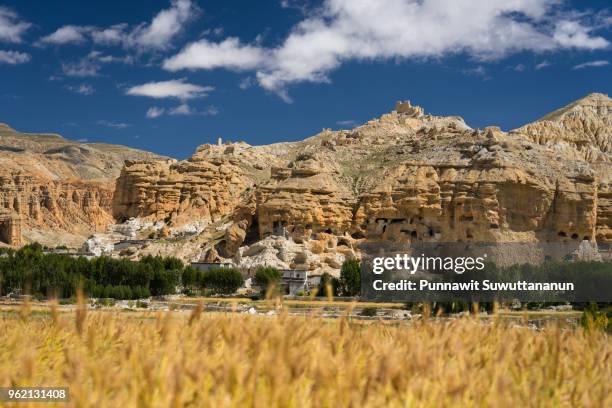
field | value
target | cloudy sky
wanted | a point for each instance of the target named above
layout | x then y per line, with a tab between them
167	76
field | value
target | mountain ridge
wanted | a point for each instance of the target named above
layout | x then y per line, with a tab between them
402	177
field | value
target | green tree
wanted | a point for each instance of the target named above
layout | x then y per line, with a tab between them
189	279
222	280
267	277
328	280
350	278
164	282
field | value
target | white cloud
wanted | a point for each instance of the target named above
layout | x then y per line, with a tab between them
370	30
69	34
520	67
246	83
181	110
347	123
166	25
13	57
477	71
229	53
100	57
542	65
300	5
114	125
91	64
158	34
155	112
82	89
210	111
572	34
11	28
109	36
592	64
176	88
83	68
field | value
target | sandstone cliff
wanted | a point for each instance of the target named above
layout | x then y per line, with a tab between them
404	177
59	190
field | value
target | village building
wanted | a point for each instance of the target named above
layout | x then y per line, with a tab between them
207	266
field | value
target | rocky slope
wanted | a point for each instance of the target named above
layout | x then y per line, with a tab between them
59	190
404	177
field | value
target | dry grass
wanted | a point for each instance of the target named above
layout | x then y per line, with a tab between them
231	360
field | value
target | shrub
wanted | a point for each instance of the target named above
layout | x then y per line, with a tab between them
593	319
222	280
369	311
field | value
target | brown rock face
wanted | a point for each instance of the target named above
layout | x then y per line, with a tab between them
406	176
10	229
305	197
206	187
586	125
59	205
51	187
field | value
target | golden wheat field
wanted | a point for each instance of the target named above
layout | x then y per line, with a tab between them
174	359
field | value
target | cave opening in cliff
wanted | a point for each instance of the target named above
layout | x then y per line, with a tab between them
343	242
4	232
357	235
222	250
252	233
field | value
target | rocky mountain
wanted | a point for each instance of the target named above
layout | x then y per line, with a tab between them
57	190
405	177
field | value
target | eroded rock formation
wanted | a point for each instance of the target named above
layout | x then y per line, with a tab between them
57	190
406	176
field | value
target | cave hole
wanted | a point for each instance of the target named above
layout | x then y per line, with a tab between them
252	233
343	242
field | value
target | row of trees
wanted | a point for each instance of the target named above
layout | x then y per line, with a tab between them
216	280
30	270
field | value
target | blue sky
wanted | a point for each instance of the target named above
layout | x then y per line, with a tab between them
167	76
